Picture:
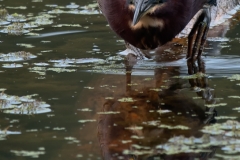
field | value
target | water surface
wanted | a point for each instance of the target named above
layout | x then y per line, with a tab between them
86	102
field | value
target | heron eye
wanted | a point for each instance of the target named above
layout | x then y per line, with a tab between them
161	1
129	2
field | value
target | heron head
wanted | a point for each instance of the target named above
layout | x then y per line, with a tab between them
141	8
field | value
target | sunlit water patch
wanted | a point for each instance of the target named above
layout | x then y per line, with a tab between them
215	66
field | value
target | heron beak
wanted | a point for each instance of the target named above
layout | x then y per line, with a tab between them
140	9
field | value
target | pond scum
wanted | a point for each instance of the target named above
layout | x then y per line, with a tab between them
22	105
18	24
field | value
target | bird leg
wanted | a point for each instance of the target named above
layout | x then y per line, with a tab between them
201	86
201	26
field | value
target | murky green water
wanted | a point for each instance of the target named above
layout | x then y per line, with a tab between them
94	110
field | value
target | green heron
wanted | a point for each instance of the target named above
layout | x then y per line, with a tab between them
148	24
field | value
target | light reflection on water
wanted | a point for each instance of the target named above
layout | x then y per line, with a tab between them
97	110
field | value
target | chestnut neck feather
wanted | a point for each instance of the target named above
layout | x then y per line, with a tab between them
175	15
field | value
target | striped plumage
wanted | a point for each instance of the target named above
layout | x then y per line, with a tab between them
225	9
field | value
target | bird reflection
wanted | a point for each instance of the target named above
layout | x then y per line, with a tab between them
138	122
160	117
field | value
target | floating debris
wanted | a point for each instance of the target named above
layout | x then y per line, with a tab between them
137	137
78	61
217	129
67	25
156	89
25	45
4	133
152	123
3	13
85	10
181	127
85	110
87	120
115	58
37	0
19	7
14	29
232	157
30	25
218	39
63	65
89	12
234	77
2	22
72	6
56	11
43	21
12	65
40	70
72	140
32	130
45	41
225	117
194	76
215	105
59	70
30	108
41	64
59	128
90	6
109	112
148	79
129	99
163	111
138	153
32	154
233	96
109	98
89	87
51	5
46	51
16	56
16	18
22	105
134	128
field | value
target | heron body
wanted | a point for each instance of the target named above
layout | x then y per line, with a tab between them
159	25
148	24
